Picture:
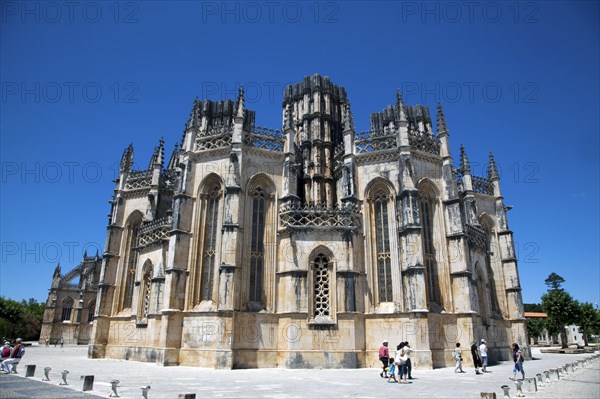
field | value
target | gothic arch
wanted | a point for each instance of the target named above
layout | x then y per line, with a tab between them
493	265
128	264
480	280
145	290
432	237
205	256
259	249
382	241
322	287
67	309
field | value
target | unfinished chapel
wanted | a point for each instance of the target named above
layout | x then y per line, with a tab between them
304	247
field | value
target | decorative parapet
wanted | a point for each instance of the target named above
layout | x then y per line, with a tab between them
482	185
265	138
477	237
138	179
153	233
424	141
293	214
374	140
214	137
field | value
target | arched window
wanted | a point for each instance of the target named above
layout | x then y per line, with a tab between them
382	237
257	245
321	280
130	262
67	309
146	291
431	273
91	311
209	245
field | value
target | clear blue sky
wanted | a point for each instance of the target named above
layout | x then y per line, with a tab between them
80	82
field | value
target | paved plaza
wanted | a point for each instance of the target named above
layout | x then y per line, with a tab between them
169	382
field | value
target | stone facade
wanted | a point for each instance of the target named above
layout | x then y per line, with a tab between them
71	303
306	247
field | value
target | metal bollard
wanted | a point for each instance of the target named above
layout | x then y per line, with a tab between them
530	384
64	377
569	367
540	380
547	375
506	388
554	375
519	385
114	384
145	391
29	370
88	382
487	395
46	374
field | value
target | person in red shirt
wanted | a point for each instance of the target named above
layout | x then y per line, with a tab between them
384	357
15	357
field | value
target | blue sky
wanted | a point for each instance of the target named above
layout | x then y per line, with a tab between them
82	80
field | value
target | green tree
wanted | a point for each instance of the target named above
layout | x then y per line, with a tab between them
21	319
535	326
560	307
588	320
533	307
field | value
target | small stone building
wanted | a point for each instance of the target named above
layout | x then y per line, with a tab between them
71	303
307	246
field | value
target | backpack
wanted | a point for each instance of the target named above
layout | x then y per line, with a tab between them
21	352
6	351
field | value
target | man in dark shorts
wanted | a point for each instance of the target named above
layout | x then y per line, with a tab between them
384	357
476	358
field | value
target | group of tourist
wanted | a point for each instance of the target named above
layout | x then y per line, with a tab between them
401	365
10	355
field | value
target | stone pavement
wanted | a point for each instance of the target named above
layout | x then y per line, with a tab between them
169	382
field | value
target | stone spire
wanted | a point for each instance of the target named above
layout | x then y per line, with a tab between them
56	271
442	129
193	121
288	117
400	114
127	159
158	155
174	155
492	170
240	110
348	119
465	167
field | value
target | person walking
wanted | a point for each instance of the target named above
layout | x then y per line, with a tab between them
391	371
518	359
401	358
384	357
476	358
483	352
458	357
408	350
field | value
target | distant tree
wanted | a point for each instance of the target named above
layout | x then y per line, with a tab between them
535	326
554	281
588	320
20	319
533	307
560	307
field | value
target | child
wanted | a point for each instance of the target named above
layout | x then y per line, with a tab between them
458	357
392	370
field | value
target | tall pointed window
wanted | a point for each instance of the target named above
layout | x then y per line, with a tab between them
130	263
433	292
257	246
382	237
67	309
91	311
146	291
209	246
321	287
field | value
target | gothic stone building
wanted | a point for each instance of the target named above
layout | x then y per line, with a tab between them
71	303
306	247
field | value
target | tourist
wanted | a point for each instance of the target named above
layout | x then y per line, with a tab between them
15	357
62	341
384	356
47	342
476	358
458	357
408	362
391	371
5	351
518	359
401	358
483	352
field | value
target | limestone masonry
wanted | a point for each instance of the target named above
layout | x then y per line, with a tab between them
300	248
